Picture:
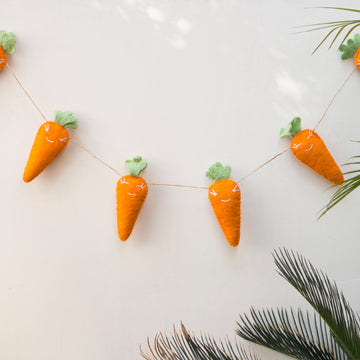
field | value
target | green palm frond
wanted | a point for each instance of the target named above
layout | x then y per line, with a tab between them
336	28
347	186
296	334
181	345
325	298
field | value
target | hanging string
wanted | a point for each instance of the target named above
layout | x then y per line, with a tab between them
263	164
181	185
334	97
26	93
94	156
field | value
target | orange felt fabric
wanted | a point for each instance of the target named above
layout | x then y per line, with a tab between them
50	141
3	58
131	193
308	147
225	198
357	59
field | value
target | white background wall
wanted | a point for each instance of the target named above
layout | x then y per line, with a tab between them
183	83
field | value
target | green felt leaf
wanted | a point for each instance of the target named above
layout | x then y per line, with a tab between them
7	41
350	48
66	119
218	172
136	166
293	128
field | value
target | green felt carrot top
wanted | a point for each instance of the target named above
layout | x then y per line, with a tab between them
293	128
218	172
7	41
350	48
136	166
66	119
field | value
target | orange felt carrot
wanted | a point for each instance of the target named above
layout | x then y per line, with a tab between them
131	192
309	148
225	198
7	45
51	139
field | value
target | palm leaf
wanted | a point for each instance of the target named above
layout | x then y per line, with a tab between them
338	26
347	186
181	345
324	297
296	334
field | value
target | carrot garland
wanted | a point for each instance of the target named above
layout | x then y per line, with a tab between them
131	192
309	148
51	139
351	50
7	45
225	198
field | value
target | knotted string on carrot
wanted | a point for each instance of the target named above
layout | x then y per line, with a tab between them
131	192
308	147
225	199
51	139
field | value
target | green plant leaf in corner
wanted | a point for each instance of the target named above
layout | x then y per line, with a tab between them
7	41
350	48
218	172
136	166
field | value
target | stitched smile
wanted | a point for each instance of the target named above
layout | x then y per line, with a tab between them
225	200
131	194
51	141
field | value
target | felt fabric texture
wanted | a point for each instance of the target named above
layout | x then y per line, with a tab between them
51	139
218	172
293	128
131	192
66	119
225	199
7	41
350	48
309	148
136	165
357	58
3	58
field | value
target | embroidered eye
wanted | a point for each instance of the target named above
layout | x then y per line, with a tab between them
213	192
296	146
46	127
122	181
142	186
236	189
64	139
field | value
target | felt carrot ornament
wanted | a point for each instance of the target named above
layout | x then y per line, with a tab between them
131	192
351	50
225	198
7	45
51	139
309	148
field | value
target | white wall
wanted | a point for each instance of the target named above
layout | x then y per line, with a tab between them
183	83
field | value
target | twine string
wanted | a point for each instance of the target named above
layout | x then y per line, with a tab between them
180	185
263	164
334	97
24	90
